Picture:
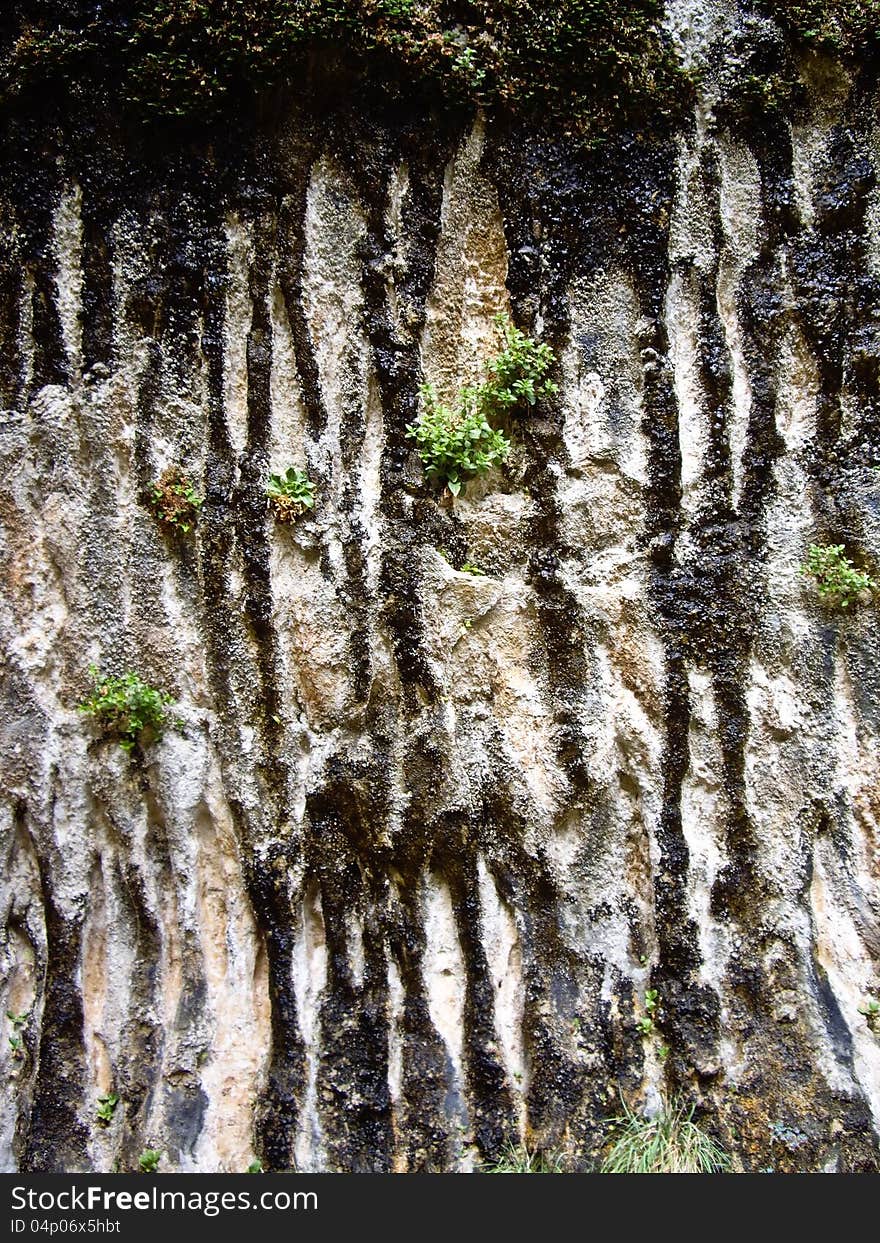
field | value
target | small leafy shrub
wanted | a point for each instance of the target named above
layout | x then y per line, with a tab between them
456	443
670	1143
871	1011
255	1167
106	1108
467	567
459	441
519	1159
174	500
849	27
148	1161
839	583
519	374
16	1040
290	494
126	707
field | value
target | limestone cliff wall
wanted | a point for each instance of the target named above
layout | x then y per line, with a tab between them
396	890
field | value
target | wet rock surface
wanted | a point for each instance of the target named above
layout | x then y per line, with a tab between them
395	890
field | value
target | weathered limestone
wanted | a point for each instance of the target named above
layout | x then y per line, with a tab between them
395	891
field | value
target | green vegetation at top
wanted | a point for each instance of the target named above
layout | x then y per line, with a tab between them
581	62
847	27
459	441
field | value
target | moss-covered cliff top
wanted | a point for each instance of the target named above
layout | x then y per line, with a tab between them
584	66
848	27
581	62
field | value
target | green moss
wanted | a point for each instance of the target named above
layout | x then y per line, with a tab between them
847	27
583	63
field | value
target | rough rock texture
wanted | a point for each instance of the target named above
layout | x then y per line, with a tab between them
396	890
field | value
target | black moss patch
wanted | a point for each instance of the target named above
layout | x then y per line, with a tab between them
56	1138
277	1111
354	1097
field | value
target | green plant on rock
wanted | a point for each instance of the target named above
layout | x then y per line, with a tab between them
16	1040
255	1167
148	1161
668	1143
839	583
174	500
469	568
456	442
290	494
791	1137
126	708
106	1108
871	1011
518	375
520	1159
647	1024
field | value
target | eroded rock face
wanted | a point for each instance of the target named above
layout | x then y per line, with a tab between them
396	889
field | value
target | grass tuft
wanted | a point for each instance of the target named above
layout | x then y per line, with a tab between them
669	1143
520	1159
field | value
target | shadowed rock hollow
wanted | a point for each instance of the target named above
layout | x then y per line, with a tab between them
395	891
